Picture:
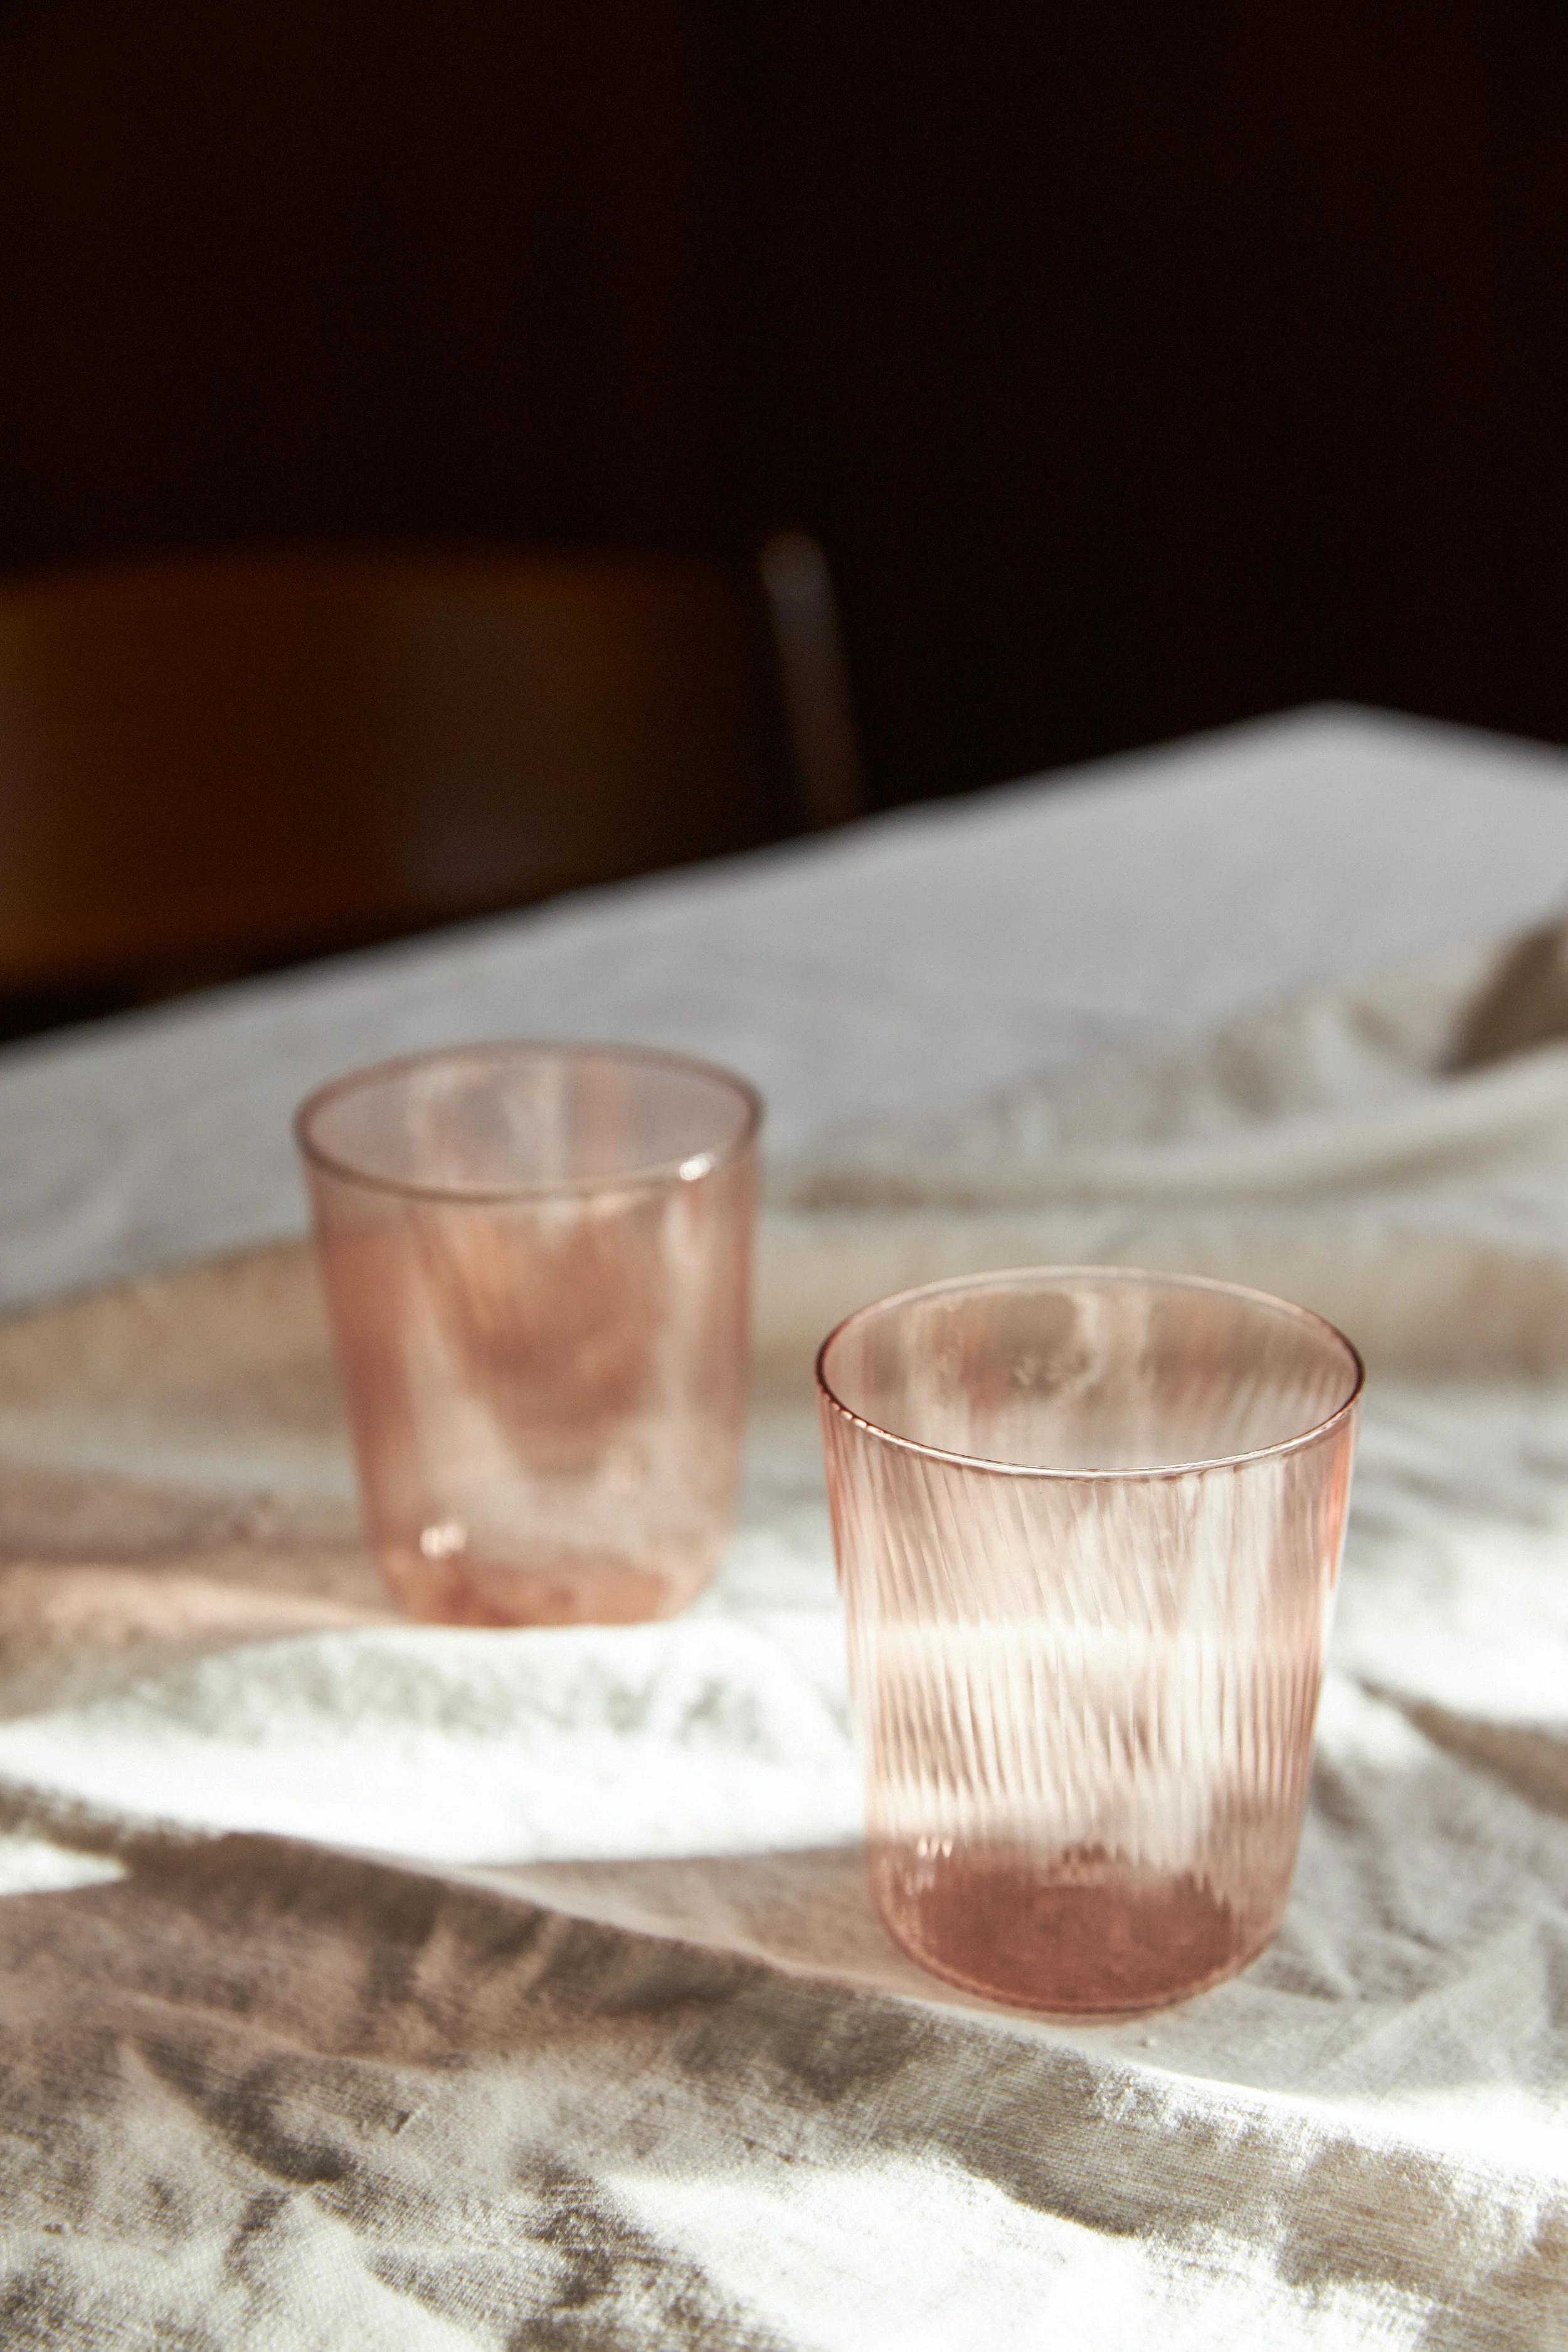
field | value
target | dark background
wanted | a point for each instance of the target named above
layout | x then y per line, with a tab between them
1141	368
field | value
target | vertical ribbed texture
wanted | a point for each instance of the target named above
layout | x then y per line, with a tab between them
1087	1704
537	1265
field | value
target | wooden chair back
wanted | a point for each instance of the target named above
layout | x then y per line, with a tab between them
214	761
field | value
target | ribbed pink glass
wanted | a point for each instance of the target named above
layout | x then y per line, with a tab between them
1088	1526
537	1262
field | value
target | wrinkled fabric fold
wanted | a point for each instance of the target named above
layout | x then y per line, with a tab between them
366	1982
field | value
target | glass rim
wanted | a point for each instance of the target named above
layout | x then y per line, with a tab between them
644	1176
1151	1278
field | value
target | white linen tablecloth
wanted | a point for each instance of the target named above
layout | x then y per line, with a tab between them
371	1984
902	969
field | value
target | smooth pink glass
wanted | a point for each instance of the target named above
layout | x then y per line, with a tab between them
1088	1526
537	1262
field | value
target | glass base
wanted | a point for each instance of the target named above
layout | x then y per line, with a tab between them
570	1590
1110	1942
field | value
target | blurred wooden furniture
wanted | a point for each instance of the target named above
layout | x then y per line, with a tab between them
210	763
815	678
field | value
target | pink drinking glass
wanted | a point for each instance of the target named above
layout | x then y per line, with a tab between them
537	1262
1088	1526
